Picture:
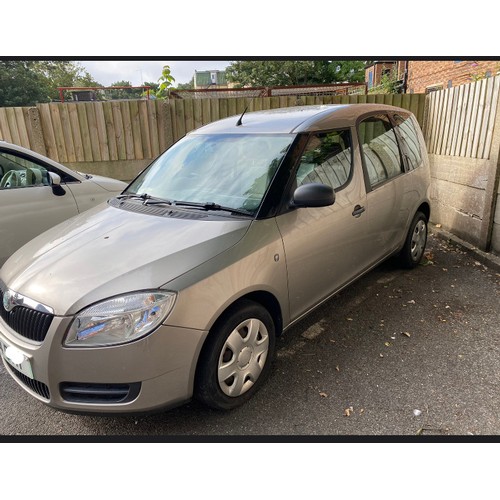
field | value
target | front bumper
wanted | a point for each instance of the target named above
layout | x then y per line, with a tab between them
158	370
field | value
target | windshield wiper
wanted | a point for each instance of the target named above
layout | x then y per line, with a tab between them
136	196
152	200
212	206
147	199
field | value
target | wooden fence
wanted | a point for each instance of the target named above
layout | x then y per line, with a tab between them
119	138
463	138
461	119
91	131
139	129
190	114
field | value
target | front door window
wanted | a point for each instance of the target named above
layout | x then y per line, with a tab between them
17	172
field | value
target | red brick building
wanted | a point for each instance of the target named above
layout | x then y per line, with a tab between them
377	69
425	76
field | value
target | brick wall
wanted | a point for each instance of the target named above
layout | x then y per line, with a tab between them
423	74
380	67
377	69
401	67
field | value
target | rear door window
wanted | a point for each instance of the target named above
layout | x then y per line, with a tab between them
380	150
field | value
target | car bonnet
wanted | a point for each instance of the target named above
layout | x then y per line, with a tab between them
107	251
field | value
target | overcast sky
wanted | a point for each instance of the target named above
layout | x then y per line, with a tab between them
138	72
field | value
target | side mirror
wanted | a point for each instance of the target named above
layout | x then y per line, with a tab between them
313	195
55	182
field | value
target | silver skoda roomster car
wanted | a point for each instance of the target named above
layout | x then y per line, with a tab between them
179	286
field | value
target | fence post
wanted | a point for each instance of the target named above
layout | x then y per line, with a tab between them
425	116
166	134
37	141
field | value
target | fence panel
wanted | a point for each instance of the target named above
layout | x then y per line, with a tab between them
5	134
139	130
12	123
489	116
92	131
188	114
461	119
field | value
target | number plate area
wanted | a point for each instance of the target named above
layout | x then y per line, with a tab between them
16	358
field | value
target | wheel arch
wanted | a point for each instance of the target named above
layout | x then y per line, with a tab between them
262	298
265	299
425	208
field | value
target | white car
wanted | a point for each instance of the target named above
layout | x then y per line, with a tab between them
37	193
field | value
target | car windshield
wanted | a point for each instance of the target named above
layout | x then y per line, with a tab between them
230	170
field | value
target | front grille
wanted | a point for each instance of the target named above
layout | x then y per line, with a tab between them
99	393
38	387
27	322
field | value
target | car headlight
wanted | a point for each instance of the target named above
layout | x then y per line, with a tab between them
120	319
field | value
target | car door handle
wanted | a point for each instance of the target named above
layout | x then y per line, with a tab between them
358	210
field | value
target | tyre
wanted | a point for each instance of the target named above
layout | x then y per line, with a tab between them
236	358
414	246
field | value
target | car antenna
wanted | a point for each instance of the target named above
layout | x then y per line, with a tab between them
239	122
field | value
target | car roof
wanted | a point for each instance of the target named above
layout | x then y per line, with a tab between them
295	119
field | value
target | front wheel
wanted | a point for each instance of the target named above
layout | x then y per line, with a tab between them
414	246
237	357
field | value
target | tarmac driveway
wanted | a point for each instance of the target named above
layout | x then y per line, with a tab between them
397	353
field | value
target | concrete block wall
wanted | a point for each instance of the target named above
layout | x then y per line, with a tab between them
495	236
458	195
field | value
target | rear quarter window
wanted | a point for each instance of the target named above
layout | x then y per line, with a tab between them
380	149
409	136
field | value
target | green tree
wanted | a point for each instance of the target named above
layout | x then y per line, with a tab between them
165	82
388	84
85	79
154	86
21	84
287	72
152	91
64	74
25	83
347	71
186	86
124	93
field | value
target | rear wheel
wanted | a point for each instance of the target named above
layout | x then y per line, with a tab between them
237	356
414	246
